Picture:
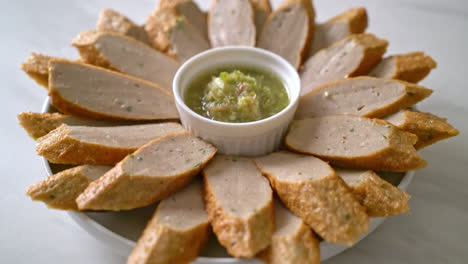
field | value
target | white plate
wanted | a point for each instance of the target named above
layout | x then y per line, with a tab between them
120	230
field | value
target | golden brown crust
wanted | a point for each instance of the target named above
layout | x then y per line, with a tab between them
117	190
428	127
413	67
160	244
302	248
158	26
60	190
88	52
325	204
177	231
241	237
399	156
410	67
374	49
261	5
112	21
40	124
58	147
308	6
36	67
380	198
356	17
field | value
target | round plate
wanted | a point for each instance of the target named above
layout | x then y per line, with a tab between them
120	230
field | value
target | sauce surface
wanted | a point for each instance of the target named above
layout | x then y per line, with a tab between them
236	95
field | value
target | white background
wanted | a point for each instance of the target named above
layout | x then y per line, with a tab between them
435	232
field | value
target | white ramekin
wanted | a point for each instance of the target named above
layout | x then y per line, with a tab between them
246	139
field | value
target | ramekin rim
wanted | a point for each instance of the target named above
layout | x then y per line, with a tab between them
179	100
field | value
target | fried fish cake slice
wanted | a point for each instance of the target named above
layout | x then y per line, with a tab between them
177	232
312	190
288	30
40	124
99	145
239	202
112	21
172	33
361	96
231	23
262	9
190	10
60	190
124	54
428	127
410	67
356	142
293	241
36	67
94	92
353	56
150	174
379	197
351	21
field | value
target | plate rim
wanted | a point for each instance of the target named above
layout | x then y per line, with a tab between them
122	246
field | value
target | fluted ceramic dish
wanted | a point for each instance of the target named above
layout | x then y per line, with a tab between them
120	230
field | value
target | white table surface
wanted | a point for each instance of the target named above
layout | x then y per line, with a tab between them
435	232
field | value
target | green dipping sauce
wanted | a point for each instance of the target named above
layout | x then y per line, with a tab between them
237	95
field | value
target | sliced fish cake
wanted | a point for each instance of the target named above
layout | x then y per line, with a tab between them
158	25
428	127
150	174
312	190
353	56
190	11
351	21
171	33
239	202
36	67
117	52
262	9
60	190
288	30
40	124
361	96
293	241
410	67
90	91
379	197
112	21
186	41
231	23
177	232
99	145
356	142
